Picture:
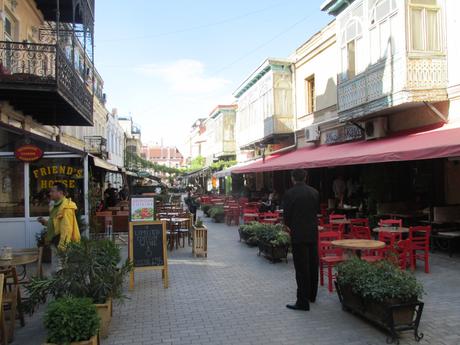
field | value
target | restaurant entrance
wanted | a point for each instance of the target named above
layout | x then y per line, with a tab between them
24	185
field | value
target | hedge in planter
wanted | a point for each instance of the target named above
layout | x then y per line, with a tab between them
382	293
90	269
248	233
205	208
273	242
217	213
72	320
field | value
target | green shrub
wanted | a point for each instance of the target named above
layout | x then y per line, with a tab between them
217	213
273	234
205	209
90	269
71	320
199	223
378	281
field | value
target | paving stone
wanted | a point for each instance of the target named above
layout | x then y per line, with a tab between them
235	297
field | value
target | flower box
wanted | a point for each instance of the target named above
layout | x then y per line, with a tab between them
92	341
105	313
200	241
394	315
272	252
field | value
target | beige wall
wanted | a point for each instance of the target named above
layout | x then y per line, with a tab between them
27	19
318	57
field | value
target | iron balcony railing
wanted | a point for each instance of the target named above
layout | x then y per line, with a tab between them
44	67
96	145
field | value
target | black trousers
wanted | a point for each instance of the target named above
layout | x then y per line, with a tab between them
305	257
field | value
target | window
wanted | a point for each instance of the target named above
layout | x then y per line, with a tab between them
11	188
352	49
383	25
425	22
8	29
310	94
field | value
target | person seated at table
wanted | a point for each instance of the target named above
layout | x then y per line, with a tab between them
266	204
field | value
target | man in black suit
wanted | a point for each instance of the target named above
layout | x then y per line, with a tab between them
301	208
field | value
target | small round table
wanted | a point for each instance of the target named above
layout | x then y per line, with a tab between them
392	229
358	245
341	221
20	260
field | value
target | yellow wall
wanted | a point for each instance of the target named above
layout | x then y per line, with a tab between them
27	17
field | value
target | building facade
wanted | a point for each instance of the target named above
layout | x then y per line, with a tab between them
265	115
168	156
220	126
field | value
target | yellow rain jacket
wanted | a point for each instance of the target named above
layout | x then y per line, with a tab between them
65	223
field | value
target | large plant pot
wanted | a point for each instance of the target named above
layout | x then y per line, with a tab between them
200	241
92	341
393	315
272	252
105	313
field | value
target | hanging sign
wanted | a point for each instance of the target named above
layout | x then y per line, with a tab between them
28	153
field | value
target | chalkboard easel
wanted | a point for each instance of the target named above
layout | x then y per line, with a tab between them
147	248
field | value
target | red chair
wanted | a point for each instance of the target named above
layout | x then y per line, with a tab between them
390	238
390	222
360	232
360	221
403	251
233	215
419	237
250	215
329	257
269	218
336	216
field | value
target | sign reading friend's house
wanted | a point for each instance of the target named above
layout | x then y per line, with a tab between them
147	248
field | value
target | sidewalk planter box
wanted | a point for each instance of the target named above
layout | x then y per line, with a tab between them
105	313
92	341
392	315
200	241
383	294
272	252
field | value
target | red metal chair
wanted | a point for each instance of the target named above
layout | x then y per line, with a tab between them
360	232
336	216
329	257
419	237
390	222
360	221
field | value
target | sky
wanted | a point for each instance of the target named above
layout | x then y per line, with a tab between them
168	63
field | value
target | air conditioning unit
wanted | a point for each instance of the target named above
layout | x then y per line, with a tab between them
375	128
312	134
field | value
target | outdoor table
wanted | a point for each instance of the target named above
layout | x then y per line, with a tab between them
392	229
358	245
251	215
20	260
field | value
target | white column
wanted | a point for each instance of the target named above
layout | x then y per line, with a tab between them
86	190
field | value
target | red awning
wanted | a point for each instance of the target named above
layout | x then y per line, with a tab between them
436	143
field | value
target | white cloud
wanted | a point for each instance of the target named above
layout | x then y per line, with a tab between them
185	76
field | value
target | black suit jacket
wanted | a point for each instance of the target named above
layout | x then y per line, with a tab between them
301	208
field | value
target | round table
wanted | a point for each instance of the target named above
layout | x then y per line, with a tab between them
392	229
19	260
358	245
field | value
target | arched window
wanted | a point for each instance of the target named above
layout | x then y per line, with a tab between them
352	49
425	25
383	15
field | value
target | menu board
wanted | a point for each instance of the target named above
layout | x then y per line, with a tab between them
147	248
142	209
148	245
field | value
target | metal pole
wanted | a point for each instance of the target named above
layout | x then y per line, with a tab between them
86	189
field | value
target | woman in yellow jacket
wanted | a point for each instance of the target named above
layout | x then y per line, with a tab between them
62	226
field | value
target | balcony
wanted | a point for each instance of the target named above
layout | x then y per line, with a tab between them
40	81
97	146
274	125
69	10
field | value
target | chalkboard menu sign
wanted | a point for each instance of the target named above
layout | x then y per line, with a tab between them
147	248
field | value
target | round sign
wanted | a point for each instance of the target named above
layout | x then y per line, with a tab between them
28	153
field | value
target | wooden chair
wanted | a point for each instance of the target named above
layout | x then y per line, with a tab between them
419	237
360	232
336	216
390	222
11	301
359	221
3	330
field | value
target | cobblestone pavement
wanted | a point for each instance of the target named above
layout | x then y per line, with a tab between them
235	298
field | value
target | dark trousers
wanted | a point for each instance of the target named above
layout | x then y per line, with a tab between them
305	257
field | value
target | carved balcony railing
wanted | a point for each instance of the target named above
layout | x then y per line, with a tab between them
44	68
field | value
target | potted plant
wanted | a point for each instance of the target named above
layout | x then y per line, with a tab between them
382	293
205	208
217	213
90	269
274	242
248	233
72	321
41	242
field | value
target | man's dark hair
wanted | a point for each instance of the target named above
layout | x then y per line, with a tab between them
299	175
60	187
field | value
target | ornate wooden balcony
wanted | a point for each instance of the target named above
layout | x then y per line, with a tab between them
40	81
